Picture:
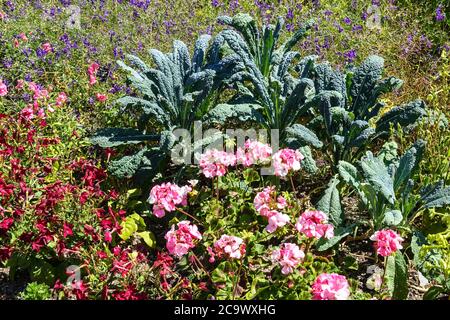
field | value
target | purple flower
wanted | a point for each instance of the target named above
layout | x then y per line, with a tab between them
290	14
347	20
350	55
440	16
215	3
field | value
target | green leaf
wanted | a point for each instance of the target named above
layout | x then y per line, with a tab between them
397	276
349	173
405	167
436	195
339	234
392	218
303	135
330	203
403	115
112	137
127	166
433	293
250	175
129	227
308	163
388	152
378	176
148	237
242	112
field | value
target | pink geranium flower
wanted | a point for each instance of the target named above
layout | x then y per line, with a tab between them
387	242
23	36
27	113
47	47
254	152
314	224
286	160
214	163
182	238
330	286
268	205
61	99
229	246
92	70
19	84
288	256
101	97
3	89
166	196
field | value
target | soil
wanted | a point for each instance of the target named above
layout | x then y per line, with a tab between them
10	289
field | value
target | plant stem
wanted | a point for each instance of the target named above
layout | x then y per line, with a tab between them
237	279
189	215
292	185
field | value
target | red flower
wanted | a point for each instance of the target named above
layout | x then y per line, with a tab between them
102	254
67	230
5	253
5	224
101	97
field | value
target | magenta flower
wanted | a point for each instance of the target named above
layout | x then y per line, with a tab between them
214	163
387	242
101	97
27	113
330	286
229	246
276	220
3	89
267	204
47	47
61	99
288	256
255	152
182	239
314	224
166	197
92	70
286	160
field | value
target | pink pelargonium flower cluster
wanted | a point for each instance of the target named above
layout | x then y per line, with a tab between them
314	224
286	160
330	286
92	71
268	205
214	163
387	242
254	152
166	196
182	239
288	256
227	246
3	89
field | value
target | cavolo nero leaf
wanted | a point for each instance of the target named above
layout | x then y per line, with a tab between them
436	195
404	115
225	112
397	276
126	166
330	203
303	135
377	174
112	137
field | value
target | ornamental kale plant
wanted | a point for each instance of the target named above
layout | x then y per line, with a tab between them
174	94
266	91
348	115
385	185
